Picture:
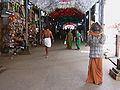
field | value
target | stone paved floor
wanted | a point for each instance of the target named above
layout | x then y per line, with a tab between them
63	70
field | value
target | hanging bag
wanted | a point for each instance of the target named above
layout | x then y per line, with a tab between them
65	42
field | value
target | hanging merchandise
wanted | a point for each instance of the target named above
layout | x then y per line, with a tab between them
32	34
11	32
32	25
17	41
13	6
21	13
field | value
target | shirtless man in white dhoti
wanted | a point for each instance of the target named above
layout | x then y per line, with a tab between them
46	38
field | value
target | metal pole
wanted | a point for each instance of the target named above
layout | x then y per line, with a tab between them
89	18
26	16
40	27
26	20
109	59
85	29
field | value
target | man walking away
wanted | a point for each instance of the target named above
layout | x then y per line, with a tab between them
46	38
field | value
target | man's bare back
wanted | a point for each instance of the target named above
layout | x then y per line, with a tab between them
48	34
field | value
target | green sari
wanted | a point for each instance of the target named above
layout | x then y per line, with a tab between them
69	40
78	40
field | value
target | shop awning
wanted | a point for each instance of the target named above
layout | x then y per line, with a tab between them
51	5
65	19
66	12
67	15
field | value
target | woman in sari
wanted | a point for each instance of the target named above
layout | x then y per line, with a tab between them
69	39
96	39
78	40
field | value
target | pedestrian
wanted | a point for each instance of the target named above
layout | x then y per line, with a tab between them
46	38
69	39
77	39
96	39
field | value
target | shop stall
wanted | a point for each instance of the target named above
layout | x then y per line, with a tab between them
13	24
2	68
13	35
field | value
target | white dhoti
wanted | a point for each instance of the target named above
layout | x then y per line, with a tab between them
47	42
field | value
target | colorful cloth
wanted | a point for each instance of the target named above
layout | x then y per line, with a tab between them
69	40
78	40
95	71
48	31
47	42
94	34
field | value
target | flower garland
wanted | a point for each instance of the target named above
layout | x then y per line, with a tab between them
94	34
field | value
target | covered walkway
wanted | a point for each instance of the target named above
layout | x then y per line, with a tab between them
63	70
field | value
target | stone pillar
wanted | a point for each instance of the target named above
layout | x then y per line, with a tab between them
101	11
97	12
117	45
